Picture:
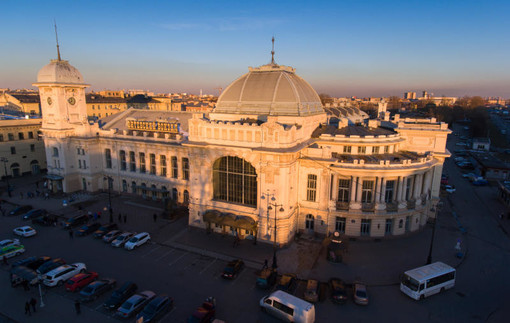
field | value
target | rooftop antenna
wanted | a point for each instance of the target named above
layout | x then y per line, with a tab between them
272	53
56	36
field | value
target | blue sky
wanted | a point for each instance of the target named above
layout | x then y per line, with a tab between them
343	48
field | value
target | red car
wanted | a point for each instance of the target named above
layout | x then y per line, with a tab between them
81	280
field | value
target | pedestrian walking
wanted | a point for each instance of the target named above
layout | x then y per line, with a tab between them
33	302
27	309
120	218
77	306
154	216
4	261
125	218
25	285
265	264
71	234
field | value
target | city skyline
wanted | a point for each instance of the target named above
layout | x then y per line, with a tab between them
349	49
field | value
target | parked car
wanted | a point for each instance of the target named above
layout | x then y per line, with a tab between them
80	280
120	295
121	239
75	221
8	242
87	229
286	282
205	313
47	219
59	275
111	235
338	291
20	210
31	262
50	265
232	269
19	274
155	309
312	291
25	231
135	304
96	288
444	179
104	229
449	188
12	251
137	240
480	182
32	214
266	278
360	294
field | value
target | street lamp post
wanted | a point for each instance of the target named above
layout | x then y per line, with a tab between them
5	161
270	206
109	179
429	258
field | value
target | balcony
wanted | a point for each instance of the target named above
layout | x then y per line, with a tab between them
392	207
368	207
411	204
342	206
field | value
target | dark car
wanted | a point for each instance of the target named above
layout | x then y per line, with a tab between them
20	210
104	229
205	313
120	295
338	291
47	219
111	235
266	278
31	262
75	221
156	309
50	265
20	274
97	288
232	269
87	229
32	214
286	282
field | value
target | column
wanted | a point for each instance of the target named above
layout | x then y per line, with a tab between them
352	191
334	187
359	189
378	181
428	182
381	188
355	193
402	193
417	188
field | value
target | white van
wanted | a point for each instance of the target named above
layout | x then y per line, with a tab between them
288	307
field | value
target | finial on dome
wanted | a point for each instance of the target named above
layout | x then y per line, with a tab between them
56	36
272	53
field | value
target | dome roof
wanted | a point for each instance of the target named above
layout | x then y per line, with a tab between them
59	71
270	90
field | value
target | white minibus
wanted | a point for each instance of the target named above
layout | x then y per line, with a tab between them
427	280
288	307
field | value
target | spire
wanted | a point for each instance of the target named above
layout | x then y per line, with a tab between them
56	36
272	53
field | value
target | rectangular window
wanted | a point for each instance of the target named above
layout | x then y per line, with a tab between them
162	164
122	157
21	136
375	150
343	190
141	156
389	227
362	150
408	189
30	135
152	160
84	164
185	168
1	137
79	163
367	191
13	150
11	136
386	149
365	227
340	224
32	148
174	167
132	161
388	195
108	157
78	151
311	188
347	149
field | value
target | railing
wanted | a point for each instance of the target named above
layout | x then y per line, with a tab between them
368	207
411	204
392	207
342	206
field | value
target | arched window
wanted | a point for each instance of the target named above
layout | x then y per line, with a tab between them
124	185
235	180
154	192
186	197
174	194
15	170
133	187
55	152
164	192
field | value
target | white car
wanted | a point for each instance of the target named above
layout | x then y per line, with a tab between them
137	240
450	189
25	231
8	242
11	251
59	275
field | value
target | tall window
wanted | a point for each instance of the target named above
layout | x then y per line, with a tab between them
124	185
235	180
340	224
343	190
174	167
32	147
132	161
347	149
21	135
13	150
389	227
365	227
152	158
309	222
79	163
185	168
133	187
108	158
375	150
408	189
1	137
11	136
367	191
311	188
162	164
55	152
388	195
386	149
122	157
362	150
30	135
141	156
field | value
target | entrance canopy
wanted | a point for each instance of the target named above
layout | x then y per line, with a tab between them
236	221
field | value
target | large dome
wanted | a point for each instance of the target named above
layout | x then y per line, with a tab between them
59	71
270	90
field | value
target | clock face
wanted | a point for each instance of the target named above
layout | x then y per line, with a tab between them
49	100
71	100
